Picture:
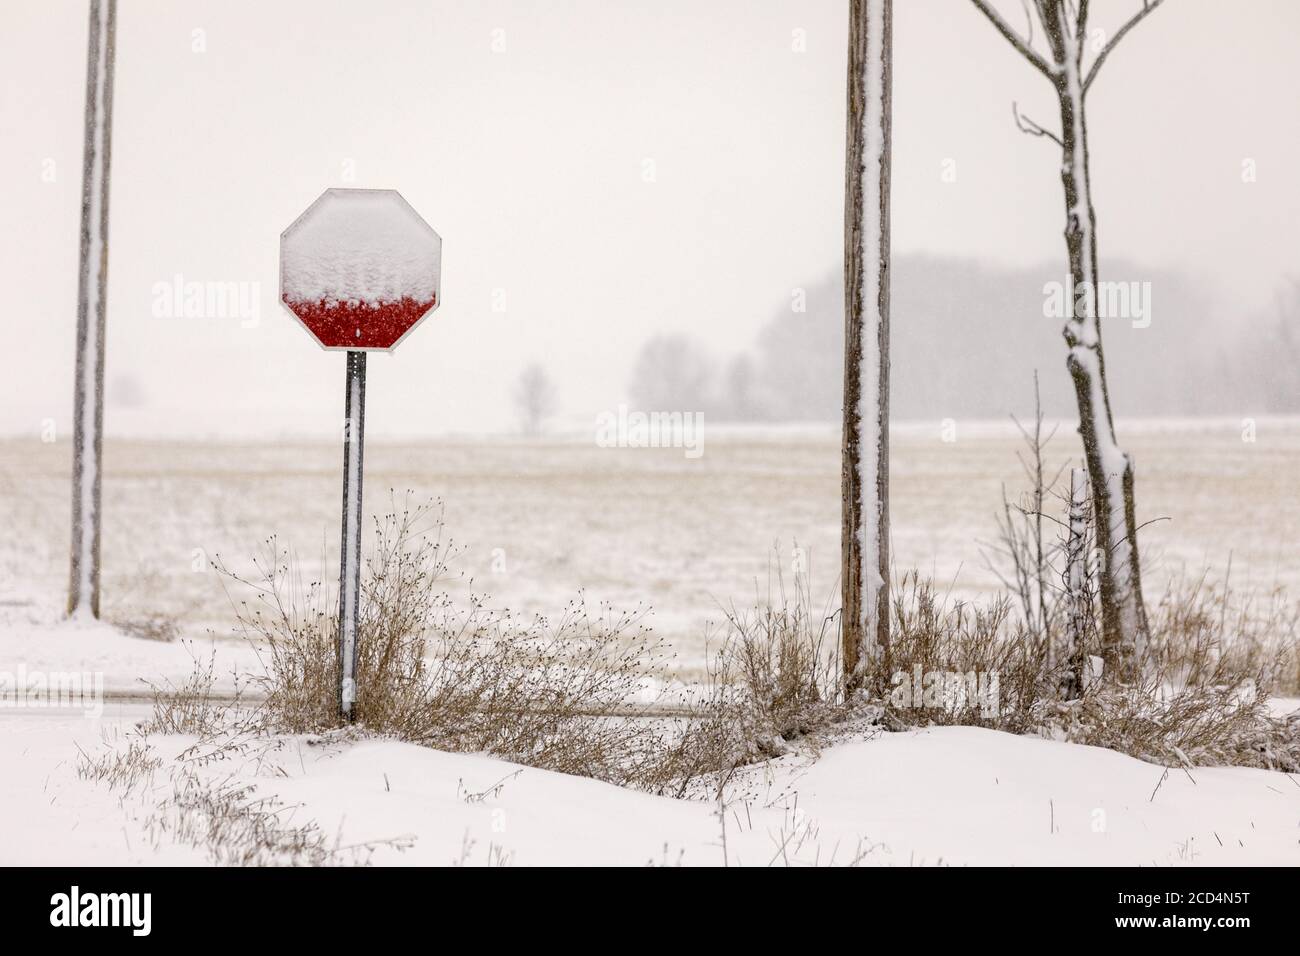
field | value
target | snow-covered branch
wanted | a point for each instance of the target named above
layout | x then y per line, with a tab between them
1022	47
1147	7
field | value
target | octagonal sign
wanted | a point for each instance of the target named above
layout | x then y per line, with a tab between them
360	269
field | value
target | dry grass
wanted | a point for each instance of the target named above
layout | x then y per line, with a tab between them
1200	725
239	827
773	684
775	676
579	694
1202	698
1199	630
195	798
1203	692
194	708
119	769
564	694
942	652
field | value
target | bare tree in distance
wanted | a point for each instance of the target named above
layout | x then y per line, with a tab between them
673	373
534	399
1064	25
1272	359
742	400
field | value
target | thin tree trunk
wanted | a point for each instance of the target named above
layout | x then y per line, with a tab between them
865	464
88	390
1077	599
1124	621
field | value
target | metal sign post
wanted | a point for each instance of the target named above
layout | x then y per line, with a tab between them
359	269
354	440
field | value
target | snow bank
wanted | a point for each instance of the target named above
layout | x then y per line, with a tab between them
949	796
124	662
963	795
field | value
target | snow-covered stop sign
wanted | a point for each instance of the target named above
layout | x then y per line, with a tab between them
360	269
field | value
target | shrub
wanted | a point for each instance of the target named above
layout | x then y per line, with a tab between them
772	683
960	663
1201	697
562	695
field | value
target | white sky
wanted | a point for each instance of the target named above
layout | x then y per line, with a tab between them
529	163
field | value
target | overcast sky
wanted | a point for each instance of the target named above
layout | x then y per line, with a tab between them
599	171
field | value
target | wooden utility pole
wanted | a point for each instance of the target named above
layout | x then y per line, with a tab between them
864	536
92	288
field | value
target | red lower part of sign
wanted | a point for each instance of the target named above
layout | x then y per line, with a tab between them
357	325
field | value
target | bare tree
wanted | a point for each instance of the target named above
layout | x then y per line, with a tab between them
741	400
1064	25
1271	359
534	399
673	373
864	477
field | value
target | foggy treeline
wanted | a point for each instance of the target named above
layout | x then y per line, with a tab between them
966	337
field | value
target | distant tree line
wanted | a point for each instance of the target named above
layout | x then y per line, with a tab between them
966	337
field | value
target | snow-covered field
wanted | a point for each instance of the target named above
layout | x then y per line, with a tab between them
539	521
632	526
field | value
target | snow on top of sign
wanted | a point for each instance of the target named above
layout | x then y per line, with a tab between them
360	245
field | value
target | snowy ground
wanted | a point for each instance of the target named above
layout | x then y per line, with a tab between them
952	796
949	796
122	665
632	526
